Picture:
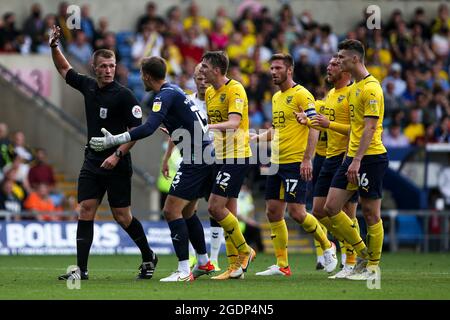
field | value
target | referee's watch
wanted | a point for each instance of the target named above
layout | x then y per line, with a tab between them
118	153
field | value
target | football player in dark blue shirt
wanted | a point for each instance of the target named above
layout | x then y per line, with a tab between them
188	127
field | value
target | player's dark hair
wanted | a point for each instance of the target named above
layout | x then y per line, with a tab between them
154	67
354	45
104	53
285	57
218	59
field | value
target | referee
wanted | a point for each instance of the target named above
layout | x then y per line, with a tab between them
107	105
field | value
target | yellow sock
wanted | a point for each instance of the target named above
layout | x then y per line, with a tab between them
375	235
355	221
279	238
311	225
232	253
350	252
319	250
231	226
329	225
348	230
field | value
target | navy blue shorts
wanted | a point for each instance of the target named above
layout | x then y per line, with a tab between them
229	178
286	184
371	172
329	168
317	165
192	181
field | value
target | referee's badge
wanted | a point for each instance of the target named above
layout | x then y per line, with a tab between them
103	113
156	106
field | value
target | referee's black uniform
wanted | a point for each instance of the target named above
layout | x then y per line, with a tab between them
115	108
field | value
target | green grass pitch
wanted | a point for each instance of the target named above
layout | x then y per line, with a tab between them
404	276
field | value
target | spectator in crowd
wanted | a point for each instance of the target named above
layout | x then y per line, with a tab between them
33	26
174	20
442	19
438	108
415	130
442	131
151	10
9	33
8	200
20	147
80	48
409	96
6	148
39	202
147	44
438	77
41	171
87	24
194	18
395	78
101	32
218	36
391	101
394	138
17	188
440	42
21	170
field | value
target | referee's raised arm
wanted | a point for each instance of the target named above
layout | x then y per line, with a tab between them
61	63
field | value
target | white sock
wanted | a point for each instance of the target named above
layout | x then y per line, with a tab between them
191	250
216	242
183	266
343	258
321	260
202	259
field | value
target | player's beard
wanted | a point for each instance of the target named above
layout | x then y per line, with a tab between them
281	79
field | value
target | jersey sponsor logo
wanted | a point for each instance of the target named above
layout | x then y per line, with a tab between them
156	106
103	113
222	97
137	112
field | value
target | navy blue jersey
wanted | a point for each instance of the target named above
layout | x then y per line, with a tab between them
172	108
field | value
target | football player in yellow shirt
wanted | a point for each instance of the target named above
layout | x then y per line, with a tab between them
227	106
365	164
335	119
292	148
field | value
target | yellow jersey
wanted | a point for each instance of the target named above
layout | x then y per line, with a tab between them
336	110
321	146
290	138
365	99
229	98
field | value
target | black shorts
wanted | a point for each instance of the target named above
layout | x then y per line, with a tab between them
287	184
94	181
371	172
192	181
329	167
317	165
229	178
